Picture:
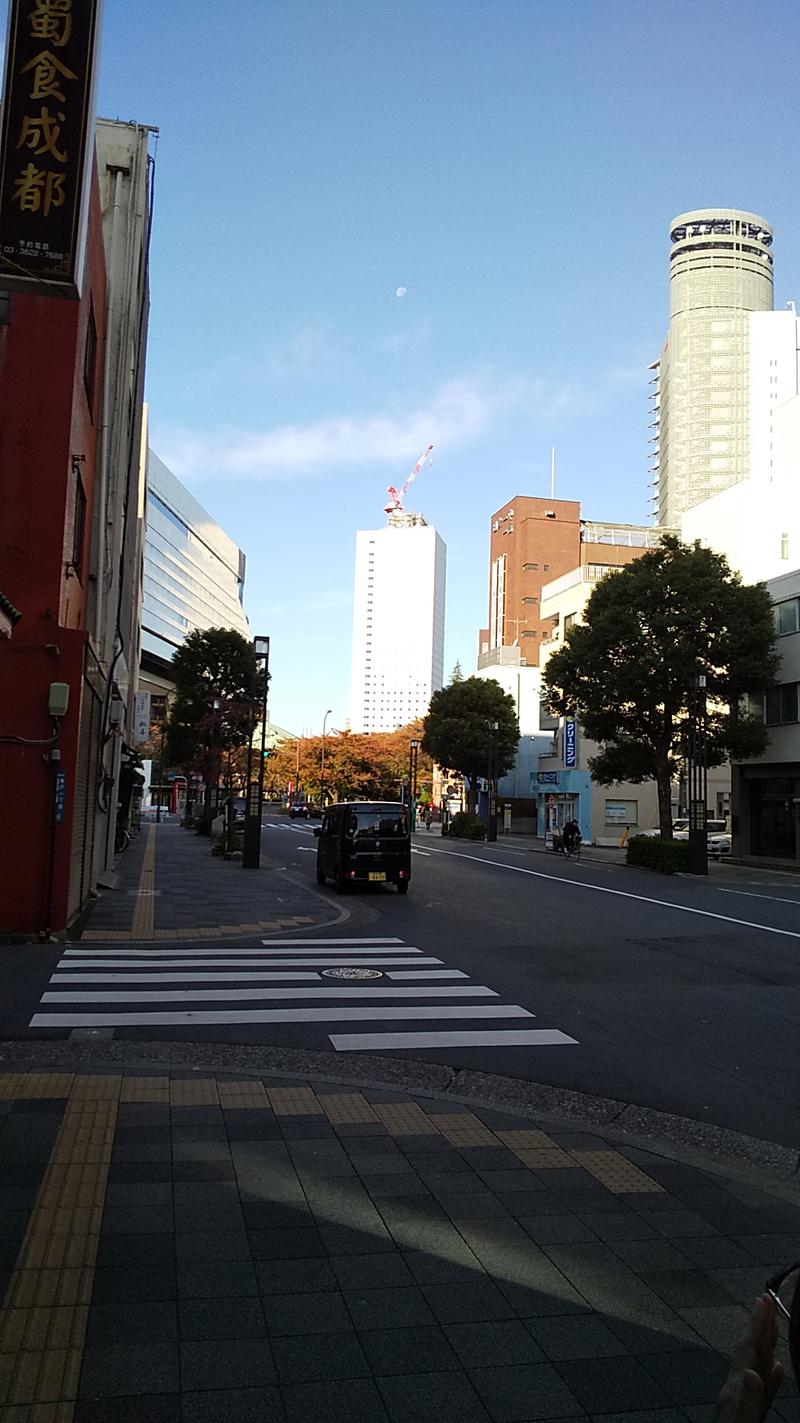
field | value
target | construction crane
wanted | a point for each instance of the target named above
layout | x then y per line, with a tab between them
395	504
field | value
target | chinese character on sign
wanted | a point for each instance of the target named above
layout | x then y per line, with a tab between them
46	70
36	190
51	20
41	134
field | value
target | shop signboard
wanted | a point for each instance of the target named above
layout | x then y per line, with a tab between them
46	133
570	743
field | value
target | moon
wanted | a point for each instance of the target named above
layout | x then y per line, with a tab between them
401	291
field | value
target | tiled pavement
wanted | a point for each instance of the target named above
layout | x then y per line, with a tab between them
171	887
180	1248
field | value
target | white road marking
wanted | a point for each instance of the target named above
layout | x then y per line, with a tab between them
258	995
509	1037
425	853
433	973
437	1012
309	849
344	962
749	894
167	977
622	894
335	941
374	949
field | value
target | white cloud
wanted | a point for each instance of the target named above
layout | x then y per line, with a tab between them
457	415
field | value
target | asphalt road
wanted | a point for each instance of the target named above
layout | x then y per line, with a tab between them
677	994
682	995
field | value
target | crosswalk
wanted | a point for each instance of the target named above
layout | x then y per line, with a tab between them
377	989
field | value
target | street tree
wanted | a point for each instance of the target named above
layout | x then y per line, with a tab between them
358	765
216	702
630	671
457	731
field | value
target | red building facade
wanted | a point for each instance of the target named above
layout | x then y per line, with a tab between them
51	385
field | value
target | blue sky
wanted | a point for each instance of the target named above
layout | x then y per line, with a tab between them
514	164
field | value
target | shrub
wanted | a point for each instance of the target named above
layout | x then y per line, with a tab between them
464	826
653	853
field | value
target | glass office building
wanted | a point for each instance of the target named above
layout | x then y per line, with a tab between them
193	572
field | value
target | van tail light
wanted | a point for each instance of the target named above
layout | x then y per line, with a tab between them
351	874
403	874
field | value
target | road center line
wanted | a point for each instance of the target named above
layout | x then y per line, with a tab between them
623	894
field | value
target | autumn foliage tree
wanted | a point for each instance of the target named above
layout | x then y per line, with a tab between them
358	766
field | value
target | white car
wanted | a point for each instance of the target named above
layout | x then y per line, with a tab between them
719	845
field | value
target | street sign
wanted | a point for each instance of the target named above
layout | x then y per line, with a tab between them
59	797
570	743
141	721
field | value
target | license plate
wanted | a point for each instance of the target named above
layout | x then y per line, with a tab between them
377	875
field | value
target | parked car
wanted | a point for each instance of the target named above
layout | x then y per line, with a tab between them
680	829
719	845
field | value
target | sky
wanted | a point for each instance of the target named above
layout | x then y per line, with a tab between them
514	165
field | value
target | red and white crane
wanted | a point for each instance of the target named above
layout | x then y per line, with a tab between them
396	496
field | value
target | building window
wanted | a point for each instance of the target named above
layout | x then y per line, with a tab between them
530	600
783	704
569	619
90	359
529	567
530	633
79	529
784	546
787	617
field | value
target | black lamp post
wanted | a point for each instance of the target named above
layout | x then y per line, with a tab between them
251	852
322	761
413	758
491	829
697	778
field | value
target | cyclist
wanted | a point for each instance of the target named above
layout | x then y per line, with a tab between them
571	836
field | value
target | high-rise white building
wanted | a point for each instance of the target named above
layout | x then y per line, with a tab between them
398	623
756	522
720	272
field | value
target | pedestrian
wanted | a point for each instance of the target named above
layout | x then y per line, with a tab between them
428	817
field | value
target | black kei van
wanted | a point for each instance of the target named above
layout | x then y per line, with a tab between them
365	842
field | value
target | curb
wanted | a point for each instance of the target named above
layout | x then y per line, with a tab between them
717	1150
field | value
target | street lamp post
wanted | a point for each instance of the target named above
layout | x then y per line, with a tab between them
697	778
491	829
251	853
322	761
413	758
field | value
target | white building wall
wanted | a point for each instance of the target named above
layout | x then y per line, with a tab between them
398	623
756	523
524	684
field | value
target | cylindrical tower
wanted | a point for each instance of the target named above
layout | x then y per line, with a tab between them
720	272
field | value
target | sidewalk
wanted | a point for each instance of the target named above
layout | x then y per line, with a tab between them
169	886
195	1247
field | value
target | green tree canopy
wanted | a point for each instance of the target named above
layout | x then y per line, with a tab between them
629	671
456	731
217	698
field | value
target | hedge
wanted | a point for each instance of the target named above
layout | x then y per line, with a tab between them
464	826
653	853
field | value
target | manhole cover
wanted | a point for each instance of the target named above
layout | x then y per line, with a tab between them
351	973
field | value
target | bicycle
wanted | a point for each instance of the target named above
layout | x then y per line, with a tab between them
573	849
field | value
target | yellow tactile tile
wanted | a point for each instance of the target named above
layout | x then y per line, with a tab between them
615	1172
294	1102
405	1119
41	1376
347	1108
26	1329
193	1092
96	1089
38	1413
144	1089
59	1252
546	1158
15	1086
48	1288
242	1094
525	1137
464	1129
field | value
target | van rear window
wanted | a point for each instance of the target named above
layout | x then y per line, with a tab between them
376	824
